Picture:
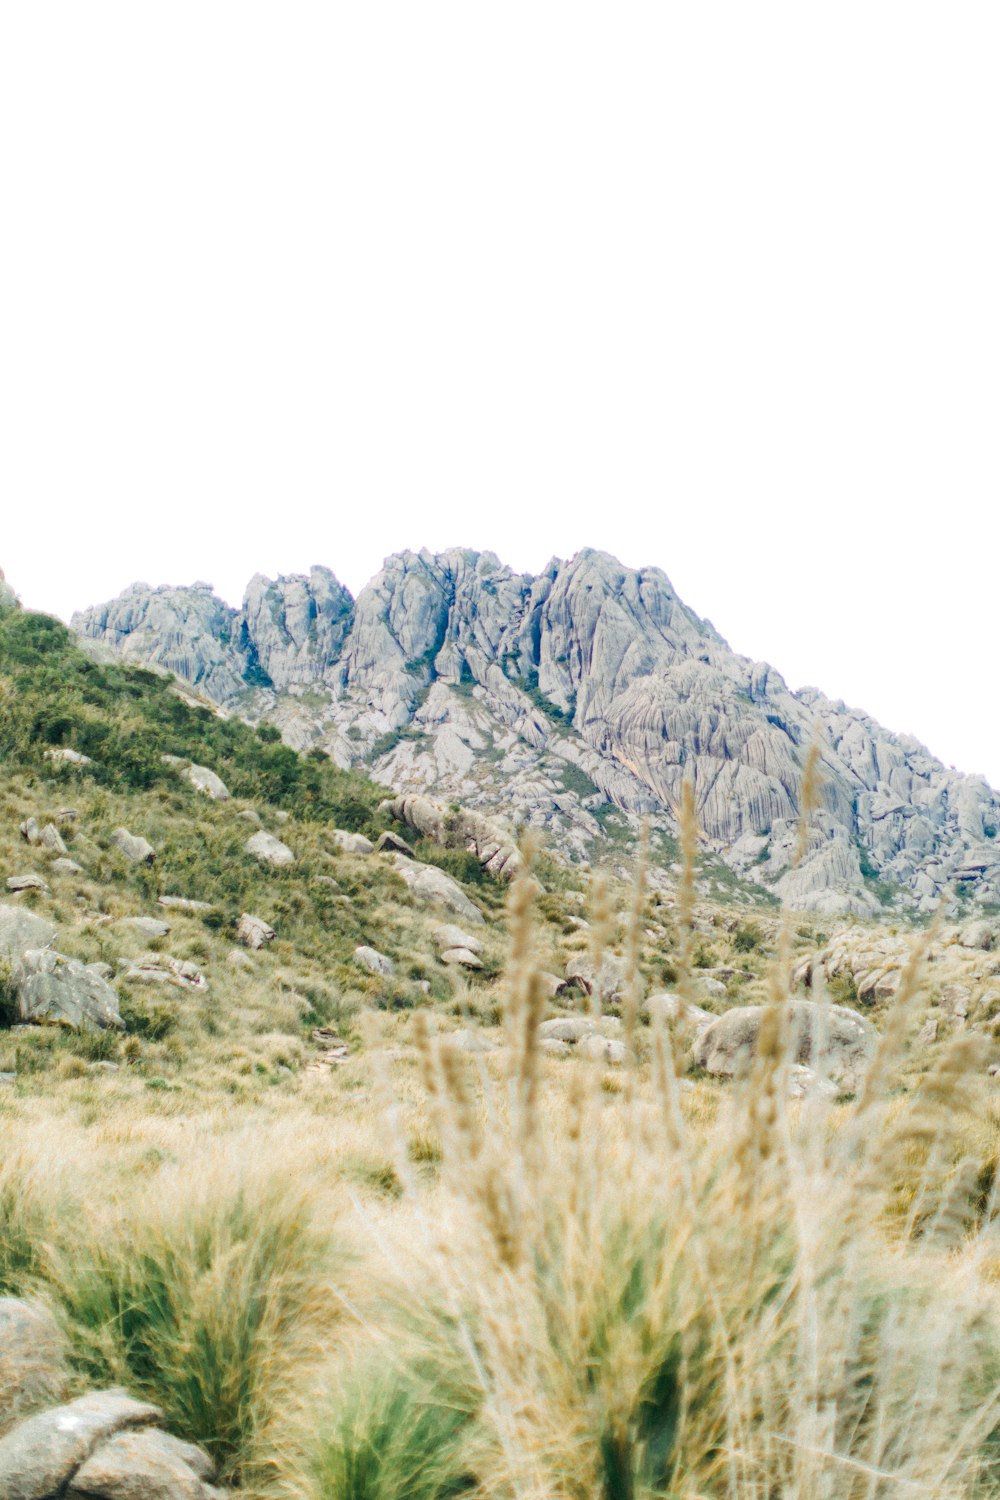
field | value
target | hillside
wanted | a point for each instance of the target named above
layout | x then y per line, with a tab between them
576	702
488	1172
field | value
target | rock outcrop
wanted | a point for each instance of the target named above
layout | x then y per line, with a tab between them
564	700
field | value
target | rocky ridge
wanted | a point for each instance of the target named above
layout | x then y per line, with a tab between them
576	701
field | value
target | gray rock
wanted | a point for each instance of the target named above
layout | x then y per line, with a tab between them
160	968
30	831
373	961
237	959
40	1455
461	958
146	1465
135	848
553	1047
352	843
51	839
666	1007
609	983
575	1029
467	1040
490	839
269	850
31	882
449	935
67	867
253	932
601	1049
429	884
391	843
147	927
184	904
848	1040
53	990
33	1369
68	756
207	782
21	930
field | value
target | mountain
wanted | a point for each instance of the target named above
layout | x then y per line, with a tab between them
576	701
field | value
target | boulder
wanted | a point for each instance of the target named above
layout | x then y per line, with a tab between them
429	884
67	867
207	782
21	930
269	850
728	1045
146	1465
160	968
351	843
50	838
956	1000
137	850
237	959
573	1029
601	1049
609	983
373	961
18	883
253	932
184	904
467	1040
391	843
30	831
41	1454
67	756
665	1006
33	1370
53	990
553	1047
461	958
449	935
147	927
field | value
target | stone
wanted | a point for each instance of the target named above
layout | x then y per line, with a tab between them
253	932
137	850
980	935
145	1465
147	927
30	831
391	843
574	1029
490	839
41	1454
21	930
160	968
269	850
429	884
207	782
601	1049
67	867
461	958
68	756
237	959
53	990
351	843
956	1000
33	1370
184	904
553	1047
373	961
18	883
665	1006
928	1032
50	838
728	1045
467	1040
249	815
449	935
806	1083
609	983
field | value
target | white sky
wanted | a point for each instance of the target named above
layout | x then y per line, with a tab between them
713	286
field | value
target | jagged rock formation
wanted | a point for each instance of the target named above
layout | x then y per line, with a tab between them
560	698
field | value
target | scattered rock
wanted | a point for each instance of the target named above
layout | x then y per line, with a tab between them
574	1029
41	1454
67	867
207	782
666	1006
727	1046
351	843
30	831
981	935
928	1032
253	932
461	958
18	883
184	904
428	883
148	1465
135	848
448	935
237	959
488	838
467	1040
373	961
160	968
147	927
553	1047
601	1049
250	816
391	843
609	983
21	930
269	850
50	838
955	1000
328	881
68	756
52	990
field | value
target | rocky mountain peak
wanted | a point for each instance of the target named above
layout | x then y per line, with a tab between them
577	699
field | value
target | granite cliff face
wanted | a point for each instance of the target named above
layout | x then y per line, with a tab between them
577	700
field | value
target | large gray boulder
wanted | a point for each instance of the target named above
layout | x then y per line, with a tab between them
33	1369
21	930
373	961
145	1465
432	886
253	932
830	1038
40	1455
269	850
137	850
53	990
